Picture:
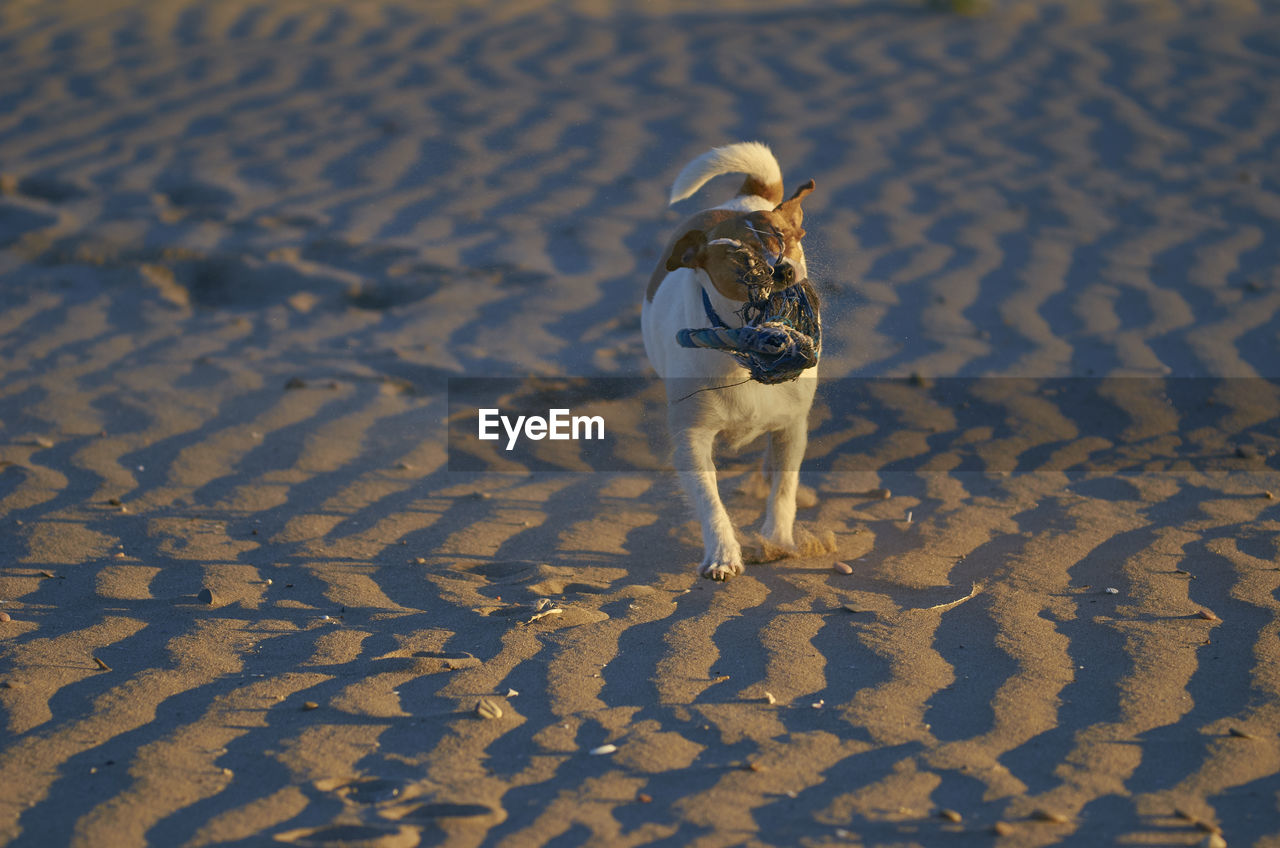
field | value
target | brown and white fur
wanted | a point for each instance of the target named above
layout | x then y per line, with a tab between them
709	394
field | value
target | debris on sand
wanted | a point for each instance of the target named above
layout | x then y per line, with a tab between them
488	709
1049	816
545	607
977	588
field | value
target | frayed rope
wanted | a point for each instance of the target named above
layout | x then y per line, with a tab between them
781	335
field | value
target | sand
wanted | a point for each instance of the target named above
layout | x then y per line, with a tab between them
245	245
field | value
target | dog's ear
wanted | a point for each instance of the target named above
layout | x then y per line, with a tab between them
688	250
790	208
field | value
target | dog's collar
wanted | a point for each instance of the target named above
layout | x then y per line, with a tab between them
712	315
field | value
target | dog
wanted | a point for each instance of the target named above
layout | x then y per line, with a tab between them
711	393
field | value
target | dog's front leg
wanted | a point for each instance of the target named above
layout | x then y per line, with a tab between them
722	557
784	455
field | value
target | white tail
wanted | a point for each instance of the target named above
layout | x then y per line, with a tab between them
746	157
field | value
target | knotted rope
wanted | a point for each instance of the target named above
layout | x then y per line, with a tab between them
780	337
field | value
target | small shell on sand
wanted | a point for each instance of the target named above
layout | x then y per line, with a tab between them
1208	616
205	596
310	705
769	699
608	748
842	567
4	616
488	709
1049	816
950	815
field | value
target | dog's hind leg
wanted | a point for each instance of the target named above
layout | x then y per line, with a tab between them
722	555
786	451
758	484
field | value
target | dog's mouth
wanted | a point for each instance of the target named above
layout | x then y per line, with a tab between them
761	268
759	275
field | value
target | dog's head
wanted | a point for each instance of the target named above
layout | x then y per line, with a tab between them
751	254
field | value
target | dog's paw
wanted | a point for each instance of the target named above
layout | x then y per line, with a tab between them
717	570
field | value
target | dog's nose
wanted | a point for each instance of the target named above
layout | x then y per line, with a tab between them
784	273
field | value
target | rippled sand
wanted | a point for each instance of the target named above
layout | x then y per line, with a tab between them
243	245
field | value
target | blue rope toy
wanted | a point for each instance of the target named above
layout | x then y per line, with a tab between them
781	334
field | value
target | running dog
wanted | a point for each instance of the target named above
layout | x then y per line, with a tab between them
737	270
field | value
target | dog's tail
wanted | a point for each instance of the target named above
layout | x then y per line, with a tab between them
764	177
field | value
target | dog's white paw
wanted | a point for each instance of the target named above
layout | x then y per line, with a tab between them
717	570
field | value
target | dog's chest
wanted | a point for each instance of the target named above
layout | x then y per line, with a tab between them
750	410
